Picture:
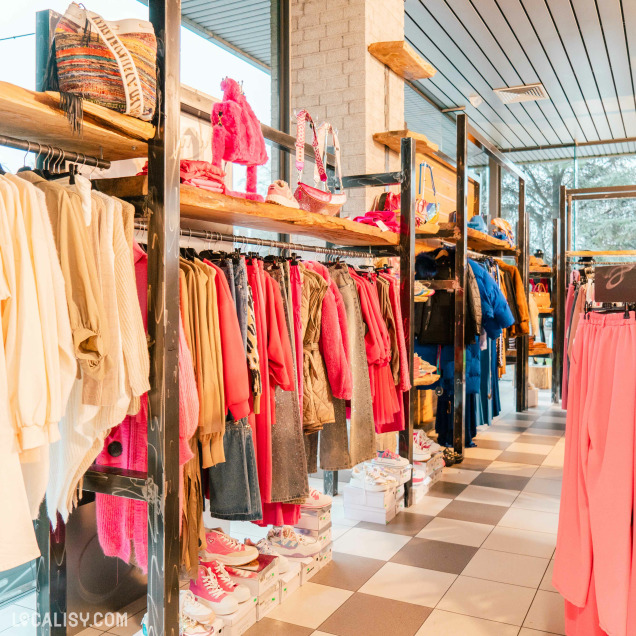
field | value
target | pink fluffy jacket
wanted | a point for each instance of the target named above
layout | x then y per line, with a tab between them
237	136
334	337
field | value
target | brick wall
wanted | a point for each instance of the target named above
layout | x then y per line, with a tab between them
336	79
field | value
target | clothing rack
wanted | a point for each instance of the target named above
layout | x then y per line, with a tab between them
53	153
208	235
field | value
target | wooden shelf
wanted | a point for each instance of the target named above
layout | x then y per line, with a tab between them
37	117
477	241
541	270
547	311
427	380
602	253
393	140
402	59
204	205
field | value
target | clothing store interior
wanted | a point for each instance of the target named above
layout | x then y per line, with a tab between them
336	262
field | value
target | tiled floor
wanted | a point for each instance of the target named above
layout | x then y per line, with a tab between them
474	557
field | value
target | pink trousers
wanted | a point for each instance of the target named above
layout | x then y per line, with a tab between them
593	563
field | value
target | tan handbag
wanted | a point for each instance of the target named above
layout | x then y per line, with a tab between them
541	296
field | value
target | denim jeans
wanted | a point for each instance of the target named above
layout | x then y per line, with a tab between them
240	293
227	265
234	490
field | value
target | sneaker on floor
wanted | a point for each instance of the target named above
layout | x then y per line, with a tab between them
207	590
390	459
264	547
420	452
221	547
285	541
190	607
280	193
188	627
371	478
428	443
316	499
239	592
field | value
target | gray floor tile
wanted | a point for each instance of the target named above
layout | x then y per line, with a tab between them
552	426
435	555
270	627
446	489
366	615
348	572
525	417
537	439
495	480
476	512
473	464
521	458
491	443
407	524
509	427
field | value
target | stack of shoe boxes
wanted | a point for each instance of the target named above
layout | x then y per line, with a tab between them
427	473
315	523
368	505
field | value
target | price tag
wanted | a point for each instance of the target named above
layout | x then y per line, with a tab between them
382	226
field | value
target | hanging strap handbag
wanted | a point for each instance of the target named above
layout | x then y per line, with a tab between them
426	212
541	296
113	64
311	198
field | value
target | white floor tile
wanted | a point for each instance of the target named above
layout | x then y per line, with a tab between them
311	605
338	517
456	531
90	631
488	599
537	544
546	432
530	520
534	449
509	468
551	419
547	613
546	583
448	624
549	472
537	501
409	584
320	634
13	615
485	495
459	476
482	453
338	530
544	486
131	628
370	543
497	436
505	567
28	629
429	506
26	601
533	632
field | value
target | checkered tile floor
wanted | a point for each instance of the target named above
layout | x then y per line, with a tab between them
474	557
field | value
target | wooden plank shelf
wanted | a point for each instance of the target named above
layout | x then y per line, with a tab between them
477	241
203	205
393	140
37	117
601	253
402	59
547	271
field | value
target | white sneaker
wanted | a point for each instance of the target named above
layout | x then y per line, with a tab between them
190	607
390	459
371	478
289	543
264	547
316	499
420	452
428	443
188	627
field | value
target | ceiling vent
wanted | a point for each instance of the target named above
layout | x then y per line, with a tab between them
527	93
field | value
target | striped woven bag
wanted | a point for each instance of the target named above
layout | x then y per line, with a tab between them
110	63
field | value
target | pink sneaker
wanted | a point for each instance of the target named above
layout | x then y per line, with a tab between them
316	499
223	548
207	590
389	458
280	193
239	592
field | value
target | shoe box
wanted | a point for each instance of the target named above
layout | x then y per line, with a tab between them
289	581
367	505
314	518
308	567
326	555
238	623
268	601
259	575
322	536
218	627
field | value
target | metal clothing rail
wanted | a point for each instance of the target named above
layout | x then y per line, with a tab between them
208	235
53	153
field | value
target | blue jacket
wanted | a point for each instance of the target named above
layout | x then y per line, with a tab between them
495	313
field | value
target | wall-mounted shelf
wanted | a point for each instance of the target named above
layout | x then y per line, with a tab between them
601	253
392	139
106	134
402	59
477	241
546	271
204	205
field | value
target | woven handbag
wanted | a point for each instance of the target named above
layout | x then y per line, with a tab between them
541	296
311	198
113	64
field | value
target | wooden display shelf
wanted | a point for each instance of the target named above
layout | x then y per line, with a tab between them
601	253
541	270
37	117
477	241
393	140
204	205
546	311
427	380
402	59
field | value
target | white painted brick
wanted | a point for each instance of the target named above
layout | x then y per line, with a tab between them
308	21
306	48
314	60
331	42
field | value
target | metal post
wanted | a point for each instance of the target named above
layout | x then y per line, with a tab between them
558	315
522	341
561	280
163	317
494	190
281	80
459	391
407	280
45	23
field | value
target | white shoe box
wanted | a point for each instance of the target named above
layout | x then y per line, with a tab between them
368	498
326	555
260	580
268	601
372	515
290	581
219	627
308	567
314	518
321	536
238	623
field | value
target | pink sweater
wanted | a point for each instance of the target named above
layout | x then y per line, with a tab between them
123	523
